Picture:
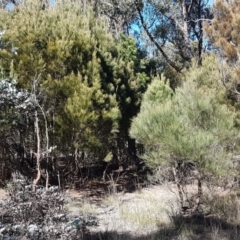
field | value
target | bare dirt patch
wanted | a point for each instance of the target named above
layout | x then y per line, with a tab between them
3	193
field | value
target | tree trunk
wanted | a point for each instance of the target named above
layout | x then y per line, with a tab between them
35	181
185	31
158	46
200	37
59	180
47	146
180	192
199	195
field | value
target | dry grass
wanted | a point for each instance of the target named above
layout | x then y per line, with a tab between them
153	213
137	214
80	206
146	210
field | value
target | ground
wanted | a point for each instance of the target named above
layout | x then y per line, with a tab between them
3	193
137	213
145	214
148	213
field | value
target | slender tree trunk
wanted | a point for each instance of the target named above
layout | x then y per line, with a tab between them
59	180
185	31
199	195
104	172
47	145
35	181
180	192
76	161
47	149
200	37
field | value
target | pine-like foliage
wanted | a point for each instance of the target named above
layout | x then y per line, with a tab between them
191	124
58	46
90	84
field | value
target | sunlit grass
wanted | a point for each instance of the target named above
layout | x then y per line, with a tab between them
82	207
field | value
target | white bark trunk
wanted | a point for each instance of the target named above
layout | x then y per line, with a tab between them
185	30
38	153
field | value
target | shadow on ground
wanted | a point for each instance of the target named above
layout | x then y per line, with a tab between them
187	228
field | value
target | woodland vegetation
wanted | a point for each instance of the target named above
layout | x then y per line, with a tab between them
89	87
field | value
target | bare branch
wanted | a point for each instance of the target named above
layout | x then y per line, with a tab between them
200	19
190	6
107	3
175	21
171	63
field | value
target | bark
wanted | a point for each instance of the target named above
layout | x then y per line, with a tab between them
47	145
38	153
200	38
185	31
104	172
59	180
76	170
180	192
169	61
199	195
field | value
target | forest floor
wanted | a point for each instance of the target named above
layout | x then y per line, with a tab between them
3	194
148	213
123	215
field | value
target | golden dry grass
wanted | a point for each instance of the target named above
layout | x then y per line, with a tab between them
153	213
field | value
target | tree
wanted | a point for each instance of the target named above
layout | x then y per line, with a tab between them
130	77
119	14
57	52
92	84
13	103
87	118
223	32
5	3
189	127
16	105
172	27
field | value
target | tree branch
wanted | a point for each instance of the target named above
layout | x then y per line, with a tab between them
171	63
200	19
190	7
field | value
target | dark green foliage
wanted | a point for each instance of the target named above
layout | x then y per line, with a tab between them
89	84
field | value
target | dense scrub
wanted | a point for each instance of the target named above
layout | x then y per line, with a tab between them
80	98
